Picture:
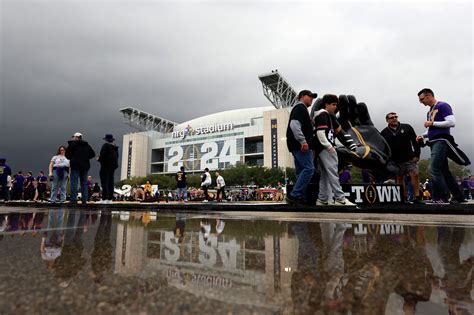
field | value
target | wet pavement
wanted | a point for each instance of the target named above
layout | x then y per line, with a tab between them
82	262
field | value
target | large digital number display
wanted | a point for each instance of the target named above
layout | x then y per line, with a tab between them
211	154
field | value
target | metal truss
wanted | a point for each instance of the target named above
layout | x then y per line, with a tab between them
144	121
277	90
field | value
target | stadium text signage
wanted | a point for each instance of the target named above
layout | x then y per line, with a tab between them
189	131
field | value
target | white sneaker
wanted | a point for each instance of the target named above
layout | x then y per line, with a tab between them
101	202
320	202
205	200
343	202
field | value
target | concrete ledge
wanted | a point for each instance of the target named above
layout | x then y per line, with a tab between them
454	209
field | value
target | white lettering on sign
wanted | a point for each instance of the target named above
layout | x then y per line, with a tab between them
202	130
210	158
389	193
358	190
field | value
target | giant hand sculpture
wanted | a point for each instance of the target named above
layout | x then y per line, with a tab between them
363	145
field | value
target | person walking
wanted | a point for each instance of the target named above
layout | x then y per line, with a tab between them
440	119
79	152
59	172
300	142
220	187
329	185
108	159
182	190
405	152
5	172
206	181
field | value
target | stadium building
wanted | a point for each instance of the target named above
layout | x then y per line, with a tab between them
251	136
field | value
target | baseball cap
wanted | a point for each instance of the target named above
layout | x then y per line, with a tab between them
78	134
307	92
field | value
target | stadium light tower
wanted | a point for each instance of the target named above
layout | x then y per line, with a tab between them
277	90
144	121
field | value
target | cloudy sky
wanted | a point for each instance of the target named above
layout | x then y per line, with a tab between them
69	66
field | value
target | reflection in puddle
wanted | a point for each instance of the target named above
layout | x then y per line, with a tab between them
134	261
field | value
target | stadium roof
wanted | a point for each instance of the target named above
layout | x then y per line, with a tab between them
144	121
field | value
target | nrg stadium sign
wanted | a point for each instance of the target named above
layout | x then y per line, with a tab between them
189	131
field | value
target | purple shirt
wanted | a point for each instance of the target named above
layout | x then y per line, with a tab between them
471	183
437	113
345	177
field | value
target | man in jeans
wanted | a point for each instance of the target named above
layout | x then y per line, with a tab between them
182	190
440	120
79	152
300	142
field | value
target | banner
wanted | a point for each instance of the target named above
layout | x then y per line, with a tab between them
362	193
274	134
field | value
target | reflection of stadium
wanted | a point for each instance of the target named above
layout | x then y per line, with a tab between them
252	136
254	271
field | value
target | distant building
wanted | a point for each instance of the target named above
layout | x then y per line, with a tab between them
251	136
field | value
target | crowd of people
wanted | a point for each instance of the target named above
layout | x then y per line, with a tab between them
312	143
311	140
71	164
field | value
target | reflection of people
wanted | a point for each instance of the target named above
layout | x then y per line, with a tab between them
53	240
179	226
306	288
205	229
101	257
220	224
391	265
71	260
332	235
457	280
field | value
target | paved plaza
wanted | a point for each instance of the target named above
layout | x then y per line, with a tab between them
141	261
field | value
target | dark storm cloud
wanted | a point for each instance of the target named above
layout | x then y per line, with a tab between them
69	66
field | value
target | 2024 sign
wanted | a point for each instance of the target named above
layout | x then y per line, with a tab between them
210	154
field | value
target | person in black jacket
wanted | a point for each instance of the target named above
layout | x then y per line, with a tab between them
108	159
405	152
5	171
79	152
300	142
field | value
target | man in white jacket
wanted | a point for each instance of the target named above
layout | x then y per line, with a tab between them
206	181
220	187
